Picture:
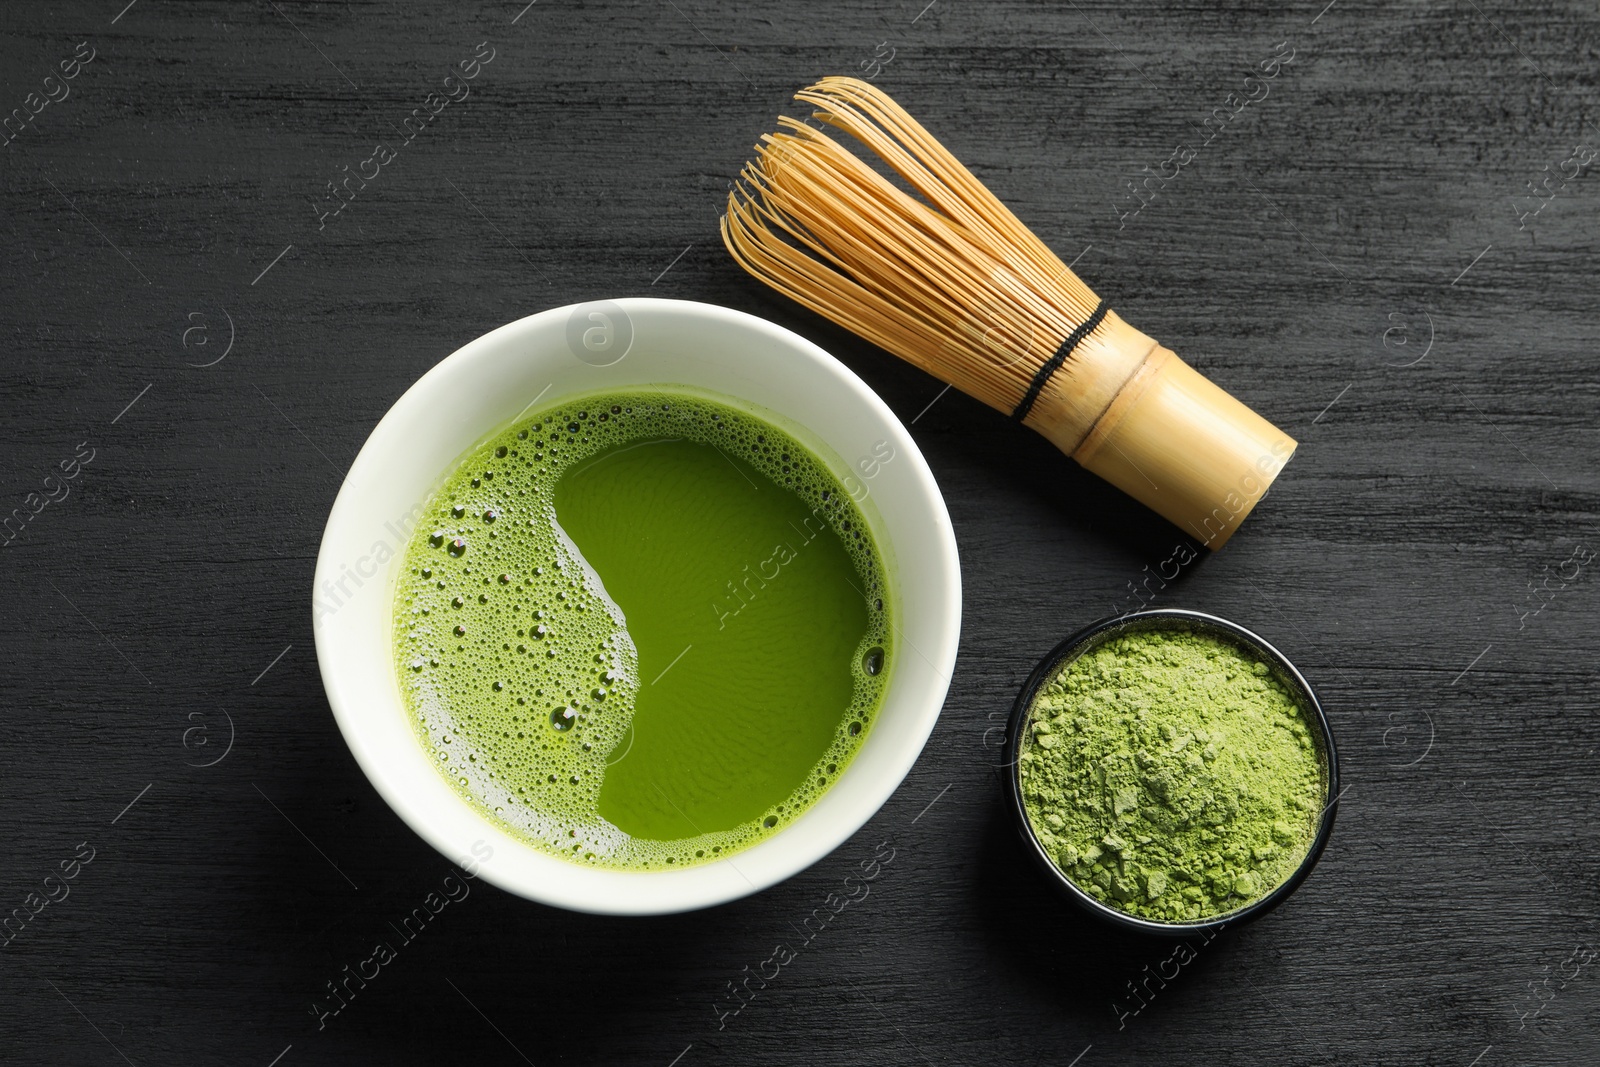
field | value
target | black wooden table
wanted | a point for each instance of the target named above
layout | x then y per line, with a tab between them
1391	253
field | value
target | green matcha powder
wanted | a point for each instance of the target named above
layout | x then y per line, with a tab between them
1171	776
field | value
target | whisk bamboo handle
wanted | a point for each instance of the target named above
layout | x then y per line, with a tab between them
1183	447
1165	434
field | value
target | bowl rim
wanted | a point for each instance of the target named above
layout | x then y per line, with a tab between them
665	891
1092	636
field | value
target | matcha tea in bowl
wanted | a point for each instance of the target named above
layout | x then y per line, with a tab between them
1171	772
637	606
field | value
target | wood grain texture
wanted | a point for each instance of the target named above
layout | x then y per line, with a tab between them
1367	200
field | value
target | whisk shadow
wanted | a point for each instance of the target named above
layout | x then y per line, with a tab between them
953	430
1025	465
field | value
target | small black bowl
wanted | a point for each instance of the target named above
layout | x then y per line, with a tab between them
1091	637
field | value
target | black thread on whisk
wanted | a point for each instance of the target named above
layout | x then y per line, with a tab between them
1053	364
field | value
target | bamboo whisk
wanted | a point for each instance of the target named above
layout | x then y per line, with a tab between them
955	284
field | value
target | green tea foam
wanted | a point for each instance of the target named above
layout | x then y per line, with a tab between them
642	628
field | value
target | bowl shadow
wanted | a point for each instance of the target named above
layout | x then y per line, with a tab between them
1104	974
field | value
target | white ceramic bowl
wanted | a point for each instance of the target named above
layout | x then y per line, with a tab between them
544	358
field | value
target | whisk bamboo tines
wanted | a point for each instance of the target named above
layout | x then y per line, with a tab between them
951	281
